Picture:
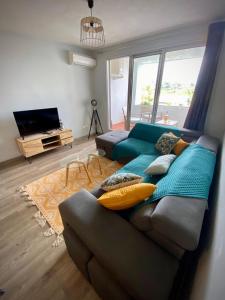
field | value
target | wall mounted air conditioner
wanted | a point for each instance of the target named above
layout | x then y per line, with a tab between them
81	60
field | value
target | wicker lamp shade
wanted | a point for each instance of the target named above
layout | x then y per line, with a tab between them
91	30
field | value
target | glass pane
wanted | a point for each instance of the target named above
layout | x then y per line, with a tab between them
144	84
118	85
180	74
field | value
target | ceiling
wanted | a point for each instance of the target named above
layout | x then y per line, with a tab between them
123	20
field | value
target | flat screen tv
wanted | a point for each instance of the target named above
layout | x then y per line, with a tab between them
38	120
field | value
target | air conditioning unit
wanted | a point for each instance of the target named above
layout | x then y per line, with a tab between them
81	60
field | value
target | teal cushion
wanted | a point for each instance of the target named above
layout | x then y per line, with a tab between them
131	148
138	165
151	132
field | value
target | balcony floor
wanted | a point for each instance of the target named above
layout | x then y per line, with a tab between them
118	126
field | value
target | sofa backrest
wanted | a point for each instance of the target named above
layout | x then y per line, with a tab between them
151	132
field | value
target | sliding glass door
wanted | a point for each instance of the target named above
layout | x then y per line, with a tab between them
145	73
181	69
163	85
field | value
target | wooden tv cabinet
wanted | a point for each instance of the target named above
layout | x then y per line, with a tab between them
41	142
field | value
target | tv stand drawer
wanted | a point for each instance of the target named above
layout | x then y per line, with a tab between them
66	134
33	144
67	141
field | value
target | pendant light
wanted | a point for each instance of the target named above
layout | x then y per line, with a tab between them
91	30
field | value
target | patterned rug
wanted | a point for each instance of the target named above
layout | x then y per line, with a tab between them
49	191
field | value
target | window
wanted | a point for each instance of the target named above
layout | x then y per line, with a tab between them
163	86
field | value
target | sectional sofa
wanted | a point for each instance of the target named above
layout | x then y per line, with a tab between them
137	256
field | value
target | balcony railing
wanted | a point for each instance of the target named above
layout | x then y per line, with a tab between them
166	114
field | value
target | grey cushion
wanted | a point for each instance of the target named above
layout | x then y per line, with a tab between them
113	137
97	192
141	218
180	220
208	142
135	261
108	140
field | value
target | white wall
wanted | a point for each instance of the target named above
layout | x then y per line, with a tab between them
194	35
118	91
36	74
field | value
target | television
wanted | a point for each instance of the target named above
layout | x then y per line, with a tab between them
38	120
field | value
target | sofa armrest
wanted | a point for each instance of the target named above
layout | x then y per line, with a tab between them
208	142
138	264
180	220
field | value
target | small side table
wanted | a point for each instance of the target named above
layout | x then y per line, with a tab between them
81	164
168	122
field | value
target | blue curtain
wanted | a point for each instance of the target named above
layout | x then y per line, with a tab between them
199	106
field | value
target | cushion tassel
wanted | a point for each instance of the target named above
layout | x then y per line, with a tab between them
49	232
31	203
40	219
58	241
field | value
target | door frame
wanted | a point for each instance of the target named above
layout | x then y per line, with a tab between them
161	54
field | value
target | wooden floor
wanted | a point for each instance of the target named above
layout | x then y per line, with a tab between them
29	267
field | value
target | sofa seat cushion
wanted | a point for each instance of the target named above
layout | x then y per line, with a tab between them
132	147
138	166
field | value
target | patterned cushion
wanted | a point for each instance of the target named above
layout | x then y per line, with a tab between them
117	181
166	143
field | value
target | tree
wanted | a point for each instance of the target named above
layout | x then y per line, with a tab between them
189	91
147	95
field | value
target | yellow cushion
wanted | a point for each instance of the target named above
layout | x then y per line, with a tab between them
127	197
180	146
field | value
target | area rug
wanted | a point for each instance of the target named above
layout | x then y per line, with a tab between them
49	191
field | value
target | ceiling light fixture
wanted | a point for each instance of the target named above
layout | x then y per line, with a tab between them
91	30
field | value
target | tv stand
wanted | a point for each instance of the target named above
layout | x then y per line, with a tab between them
41	142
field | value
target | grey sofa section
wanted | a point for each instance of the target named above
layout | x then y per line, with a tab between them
135	262
108	140
136	258
165	243
80	254
104	283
